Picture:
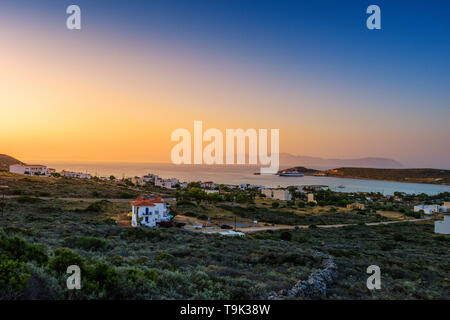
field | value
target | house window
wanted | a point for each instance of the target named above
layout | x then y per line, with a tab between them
146	219
146	210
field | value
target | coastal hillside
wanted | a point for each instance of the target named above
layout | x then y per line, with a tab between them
426	175
6	161
287	159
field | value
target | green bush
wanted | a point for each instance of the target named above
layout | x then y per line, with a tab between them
64	258
14	275
26	199
88	243
275	204
17	249
286	235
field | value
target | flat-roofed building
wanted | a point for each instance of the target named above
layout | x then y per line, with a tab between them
29	169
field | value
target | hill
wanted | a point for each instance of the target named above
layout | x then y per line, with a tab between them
425	175
305	171
287	159
6	161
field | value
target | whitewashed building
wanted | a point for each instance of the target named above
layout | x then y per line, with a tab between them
430	209
442	227
79	175
150	178
29	169
166	183
147	210
208	185
278	194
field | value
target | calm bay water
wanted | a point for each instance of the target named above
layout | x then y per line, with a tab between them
243	174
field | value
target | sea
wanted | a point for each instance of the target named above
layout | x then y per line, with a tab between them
240	174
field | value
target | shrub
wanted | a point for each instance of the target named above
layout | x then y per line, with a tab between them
286	235
301	204
64	258
17	249
126	195
14	275
26	199
164	256
103	277
399	237
275	204
88	243
96	206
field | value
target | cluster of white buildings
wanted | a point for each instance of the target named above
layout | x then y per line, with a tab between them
432	208
44	171
246	186
443	226
167	183
79	175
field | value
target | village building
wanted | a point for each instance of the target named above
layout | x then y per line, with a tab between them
310	197
183	184
148	210
29	169
79	175
150	178
430	209
167	183
442	227
208	185
277	194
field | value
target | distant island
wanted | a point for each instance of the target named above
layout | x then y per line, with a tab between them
290	160
425	175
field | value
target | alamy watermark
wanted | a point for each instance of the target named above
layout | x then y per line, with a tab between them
374	20
213	153
374	281
74	280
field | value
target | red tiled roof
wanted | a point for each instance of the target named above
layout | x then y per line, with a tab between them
146	201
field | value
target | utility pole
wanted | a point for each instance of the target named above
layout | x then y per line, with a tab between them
3	202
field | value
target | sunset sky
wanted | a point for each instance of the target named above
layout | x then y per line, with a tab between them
115	90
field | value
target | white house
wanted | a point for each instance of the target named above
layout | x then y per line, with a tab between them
166	183
72	174
147	210
232	233
430	209
443	226
208	185
29	169
278	194
150	178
